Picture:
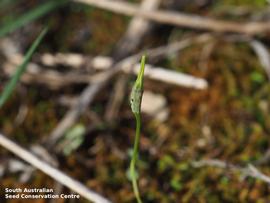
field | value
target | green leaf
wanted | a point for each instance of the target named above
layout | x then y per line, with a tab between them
73	139
20	70
257	77
31	15
176	184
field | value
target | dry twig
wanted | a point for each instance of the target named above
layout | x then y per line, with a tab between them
263	55
180	19
249	170
55	79
88	94
259	48
52	172
135	32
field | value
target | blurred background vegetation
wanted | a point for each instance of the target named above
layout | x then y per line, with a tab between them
228	121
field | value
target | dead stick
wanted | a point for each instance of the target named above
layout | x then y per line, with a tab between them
249	170
88	94
180	19
52	172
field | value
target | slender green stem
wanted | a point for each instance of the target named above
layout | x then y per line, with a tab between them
135	157
135	102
